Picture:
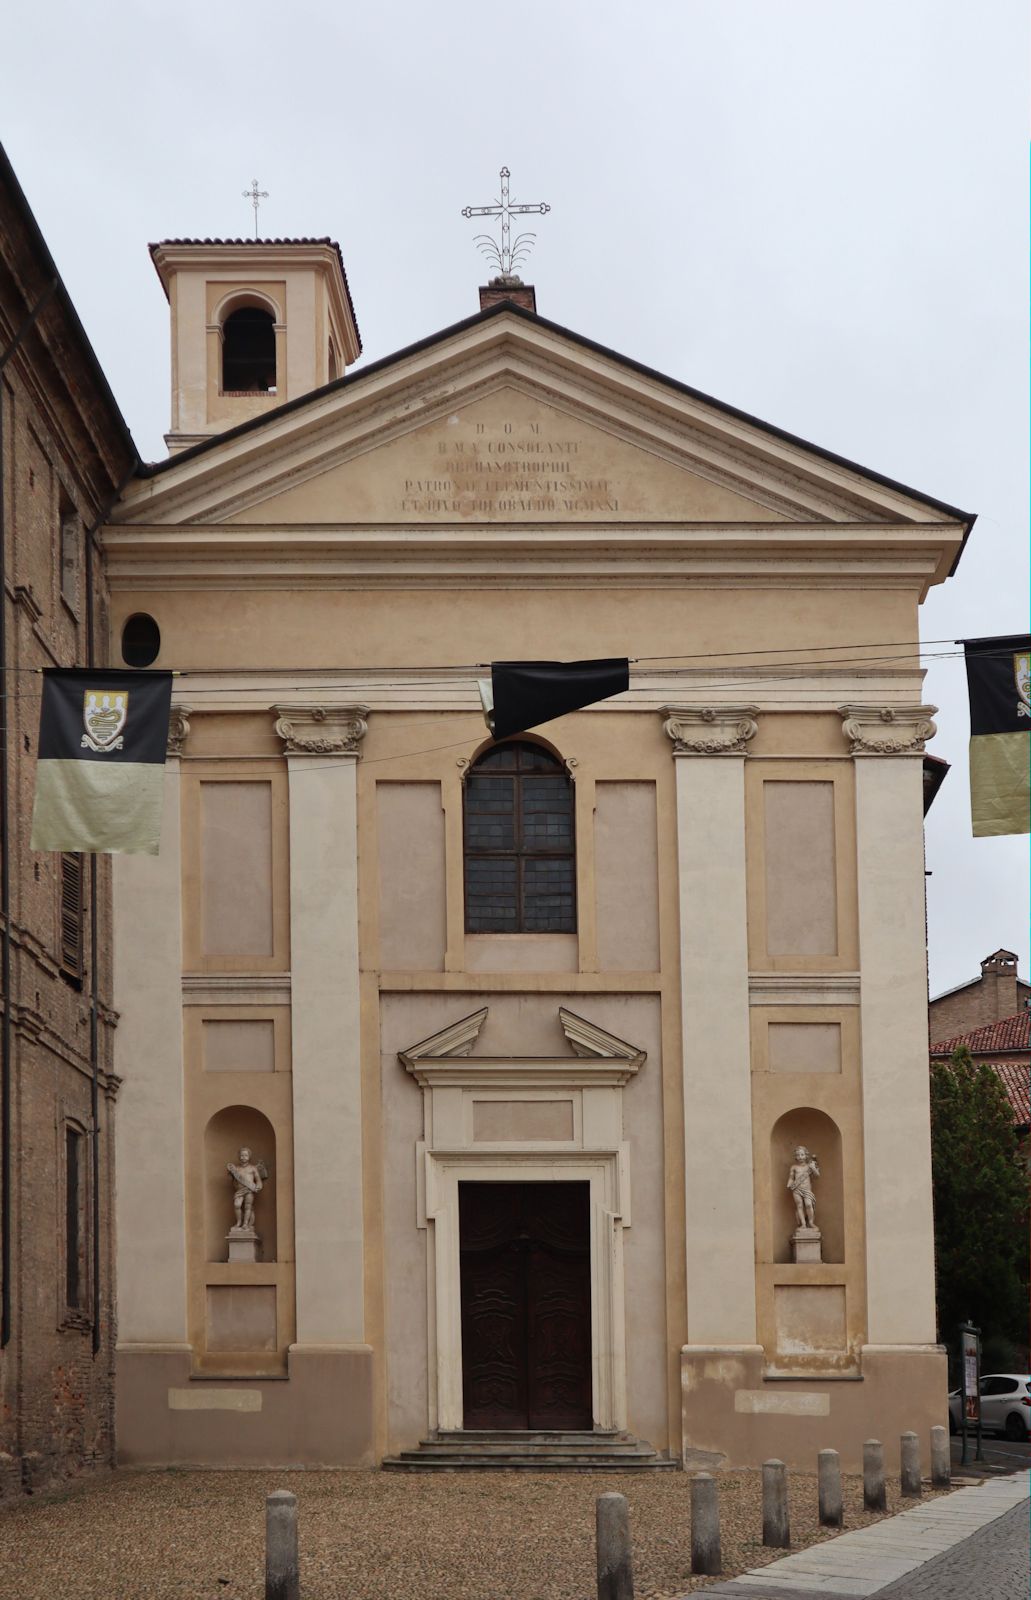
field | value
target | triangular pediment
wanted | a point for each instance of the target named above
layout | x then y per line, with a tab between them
513	455
507	420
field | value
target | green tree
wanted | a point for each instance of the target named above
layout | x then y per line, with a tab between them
980	1205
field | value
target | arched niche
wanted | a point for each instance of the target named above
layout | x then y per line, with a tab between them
821	1136
228	1131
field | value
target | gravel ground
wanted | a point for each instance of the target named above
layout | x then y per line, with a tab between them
378	1536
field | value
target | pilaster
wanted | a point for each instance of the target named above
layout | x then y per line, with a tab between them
709	745
150	1196
322	745
887	744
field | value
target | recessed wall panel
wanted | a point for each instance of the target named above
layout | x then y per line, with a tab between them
804	1046
522	1121
626	877
412	908
801	887
239	1045
236	868
241	1317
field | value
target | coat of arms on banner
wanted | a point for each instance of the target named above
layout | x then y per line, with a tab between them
1022	673
103	715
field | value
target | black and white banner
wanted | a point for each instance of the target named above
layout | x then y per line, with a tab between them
102	738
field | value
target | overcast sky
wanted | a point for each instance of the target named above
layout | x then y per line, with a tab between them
812	209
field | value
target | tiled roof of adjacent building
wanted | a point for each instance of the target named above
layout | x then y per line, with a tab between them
1009	1037
253	244
1016	1080
1009	1034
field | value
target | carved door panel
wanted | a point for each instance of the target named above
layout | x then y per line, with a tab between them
493	1306
526	1304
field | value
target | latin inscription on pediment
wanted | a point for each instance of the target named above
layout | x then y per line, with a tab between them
509	468
507	457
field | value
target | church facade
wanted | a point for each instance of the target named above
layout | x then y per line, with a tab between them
513	1047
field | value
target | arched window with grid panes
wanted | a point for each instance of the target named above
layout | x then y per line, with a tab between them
520	854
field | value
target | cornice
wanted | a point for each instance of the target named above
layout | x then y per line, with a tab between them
710	730
803	989
879	730
629	554
236	989
321	730
492	1072
823	688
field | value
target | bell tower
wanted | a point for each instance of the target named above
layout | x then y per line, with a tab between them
255	322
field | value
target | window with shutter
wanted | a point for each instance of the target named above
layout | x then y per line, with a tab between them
520	859
75	1219
71	917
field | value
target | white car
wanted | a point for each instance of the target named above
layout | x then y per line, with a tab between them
1005	1405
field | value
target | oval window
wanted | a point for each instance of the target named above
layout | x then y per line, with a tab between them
141	640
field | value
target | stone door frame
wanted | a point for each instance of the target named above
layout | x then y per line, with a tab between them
591	1079
444	1172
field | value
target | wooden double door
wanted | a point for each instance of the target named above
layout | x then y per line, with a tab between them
525	1251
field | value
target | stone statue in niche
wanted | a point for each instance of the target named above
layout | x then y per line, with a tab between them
248	1179
806	1239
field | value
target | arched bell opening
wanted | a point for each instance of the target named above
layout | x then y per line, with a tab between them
249	351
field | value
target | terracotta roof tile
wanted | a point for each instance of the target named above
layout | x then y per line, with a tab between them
1011	1033
1016	1080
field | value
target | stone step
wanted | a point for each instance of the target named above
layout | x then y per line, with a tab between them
512	1450
514	1463
624	1452
529	1436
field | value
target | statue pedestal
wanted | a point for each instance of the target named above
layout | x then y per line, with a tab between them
243	1244
806	1245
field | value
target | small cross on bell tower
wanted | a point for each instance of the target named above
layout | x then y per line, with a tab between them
255	196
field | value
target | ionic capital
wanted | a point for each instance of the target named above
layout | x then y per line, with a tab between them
178	729
887	730
710	730
321	730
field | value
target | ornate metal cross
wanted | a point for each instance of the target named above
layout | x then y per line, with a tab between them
255	196
506	256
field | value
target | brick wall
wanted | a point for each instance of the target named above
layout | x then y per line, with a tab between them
995	995
64	452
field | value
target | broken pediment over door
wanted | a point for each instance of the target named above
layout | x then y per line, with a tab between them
476	1101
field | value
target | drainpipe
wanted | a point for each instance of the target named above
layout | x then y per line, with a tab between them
6	1254
94	991
92	549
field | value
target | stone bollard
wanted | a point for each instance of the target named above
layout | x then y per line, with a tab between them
705	1525
615	1569
874	1496
776	1528
909	1446
941	1458
828	1472
282	1568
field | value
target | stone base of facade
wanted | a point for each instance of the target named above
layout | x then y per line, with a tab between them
735	1416
319	1414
